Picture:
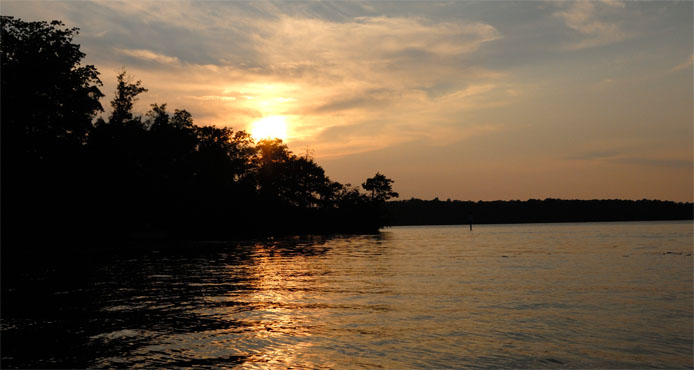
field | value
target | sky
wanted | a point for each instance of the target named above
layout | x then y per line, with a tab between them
468	100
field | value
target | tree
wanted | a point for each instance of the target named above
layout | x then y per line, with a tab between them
182	119
224	154
126	95
48	98
381	188
157	117
48	103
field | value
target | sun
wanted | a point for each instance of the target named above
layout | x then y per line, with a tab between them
273	127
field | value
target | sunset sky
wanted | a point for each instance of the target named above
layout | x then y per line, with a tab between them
462	100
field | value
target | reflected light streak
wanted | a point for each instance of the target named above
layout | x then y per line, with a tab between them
279	316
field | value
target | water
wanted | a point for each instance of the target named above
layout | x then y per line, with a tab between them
615	295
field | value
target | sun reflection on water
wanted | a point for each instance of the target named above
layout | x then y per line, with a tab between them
279	319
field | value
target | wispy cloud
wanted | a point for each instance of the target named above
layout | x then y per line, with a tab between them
585	156
684	65
613	156
367	49
374	74
584	16
149	55
657	162
356	81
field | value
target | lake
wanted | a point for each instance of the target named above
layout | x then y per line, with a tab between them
584	295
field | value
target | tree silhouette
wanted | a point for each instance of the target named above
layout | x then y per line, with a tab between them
48	102
157	117
294	180
125	97
381	188
48	98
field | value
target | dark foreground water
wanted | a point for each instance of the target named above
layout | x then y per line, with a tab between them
616	295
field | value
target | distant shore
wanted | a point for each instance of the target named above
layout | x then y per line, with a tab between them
454	212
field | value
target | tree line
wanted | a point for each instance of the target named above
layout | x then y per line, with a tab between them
436	212
68	174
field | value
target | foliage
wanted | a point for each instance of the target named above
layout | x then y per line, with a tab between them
381	188
48	103
48	98
293	180
126	95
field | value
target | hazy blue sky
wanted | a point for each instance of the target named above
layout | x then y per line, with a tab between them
459	99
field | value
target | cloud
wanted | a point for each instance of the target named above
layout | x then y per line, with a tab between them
685	65
614	3
149	55
345	81
657	162
618	157
373	73
583	16
350	103
585	156
367	49
213	98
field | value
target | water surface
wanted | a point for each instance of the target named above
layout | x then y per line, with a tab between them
588	295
